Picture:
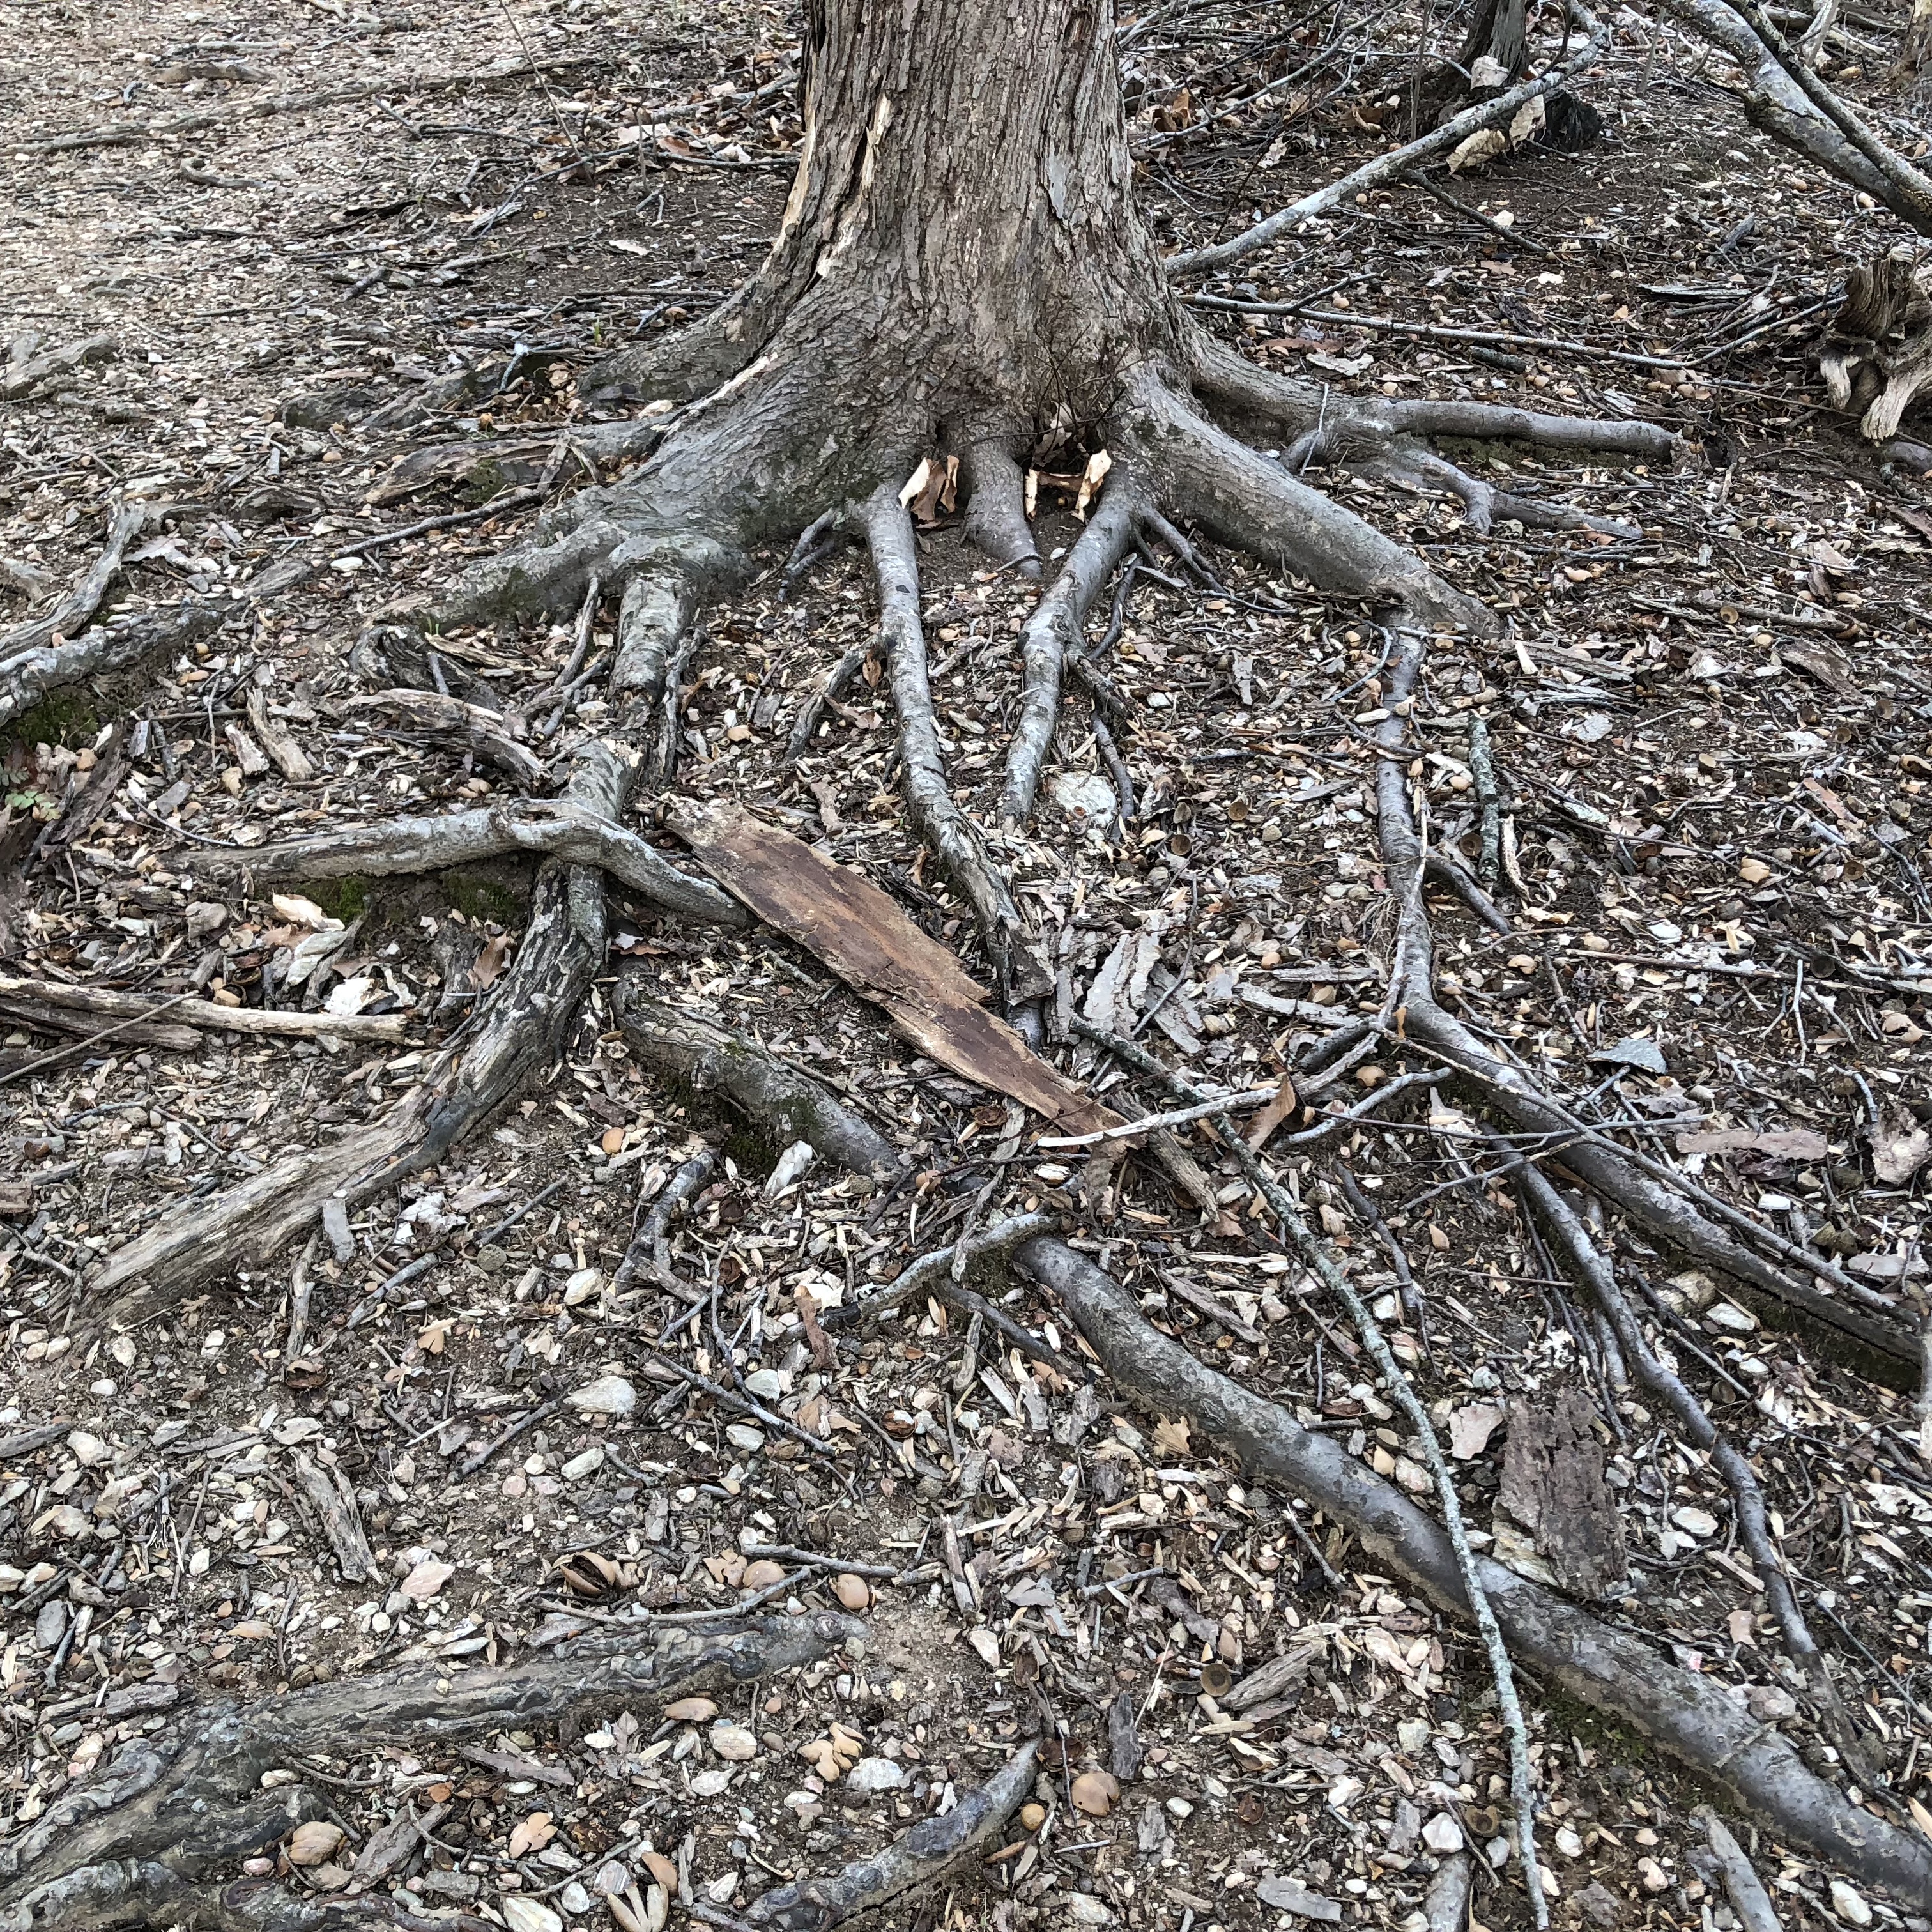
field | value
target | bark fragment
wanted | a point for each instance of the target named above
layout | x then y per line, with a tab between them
1553	1485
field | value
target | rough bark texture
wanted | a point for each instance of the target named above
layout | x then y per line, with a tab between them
191	1799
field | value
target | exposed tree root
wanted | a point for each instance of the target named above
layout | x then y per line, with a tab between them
933	1849
1785	103
557	829
995	519
523	1024
1696	1721
19	380
694	1055
29	675
1593	1269
1652	1195
125	523
190	1799
490	734
1052	635
1018	972
1249	501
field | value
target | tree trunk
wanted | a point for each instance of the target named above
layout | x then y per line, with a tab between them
963	209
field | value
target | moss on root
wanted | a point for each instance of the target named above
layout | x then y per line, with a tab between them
61	717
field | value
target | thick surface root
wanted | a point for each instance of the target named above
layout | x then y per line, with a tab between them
524	1025
955	840
932	1849
559	829
1696	1721
1247	500
192	1799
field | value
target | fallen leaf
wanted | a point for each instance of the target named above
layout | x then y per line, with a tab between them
532	1834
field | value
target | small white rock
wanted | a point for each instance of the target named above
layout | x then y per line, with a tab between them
608	1395
1442	1834
528	1915
733	1743
1729	1314
587	1464
709	1783
1694	1521
875	1774
581	1286
742	1436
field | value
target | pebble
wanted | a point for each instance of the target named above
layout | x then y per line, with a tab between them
854	1592
709	1783
1442	1834
1694	1521
742	1436
691	1711
762	1575
1033	1815
585	1465
1083	1908
1728	1314
426	1580
875	1774
733	1743
581	1286
608	1395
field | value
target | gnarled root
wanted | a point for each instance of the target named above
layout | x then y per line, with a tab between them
1052	634
1386	437
523	1024
488	734
995	519
1249	500
955	841
692	1054
1696	1721
558	829
932	1849
192	1799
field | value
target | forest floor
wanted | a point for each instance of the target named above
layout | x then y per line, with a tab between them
1712	745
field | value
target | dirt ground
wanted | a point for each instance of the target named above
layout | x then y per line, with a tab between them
1712	745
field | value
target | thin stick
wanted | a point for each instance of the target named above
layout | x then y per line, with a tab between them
1315	1251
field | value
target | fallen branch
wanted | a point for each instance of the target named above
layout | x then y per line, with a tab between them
841	917
557	829
933	1849
185	1012
330	1495
1398	161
